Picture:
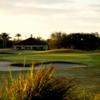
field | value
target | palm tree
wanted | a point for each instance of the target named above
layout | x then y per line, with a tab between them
18	35
5	37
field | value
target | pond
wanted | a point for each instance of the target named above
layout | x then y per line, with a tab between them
6	65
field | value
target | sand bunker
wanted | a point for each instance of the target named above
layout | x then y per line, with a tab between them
60	64
5	65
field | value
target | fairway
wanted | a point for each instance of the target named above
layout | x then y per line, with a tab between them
88	77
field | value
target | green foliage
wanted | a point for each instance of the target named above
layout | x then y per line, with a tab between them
18	35
5	37
81	41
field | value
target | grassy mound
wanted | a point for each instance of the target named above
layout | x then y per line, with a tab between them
63	51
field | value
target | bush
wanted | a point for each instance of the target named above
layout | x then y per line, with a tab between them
37	85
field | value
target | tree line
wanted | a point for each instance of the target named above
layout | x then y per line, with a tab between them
6	42
58	40
81	41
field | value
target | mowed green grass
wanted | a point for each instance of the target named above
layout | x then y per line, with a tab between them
88	77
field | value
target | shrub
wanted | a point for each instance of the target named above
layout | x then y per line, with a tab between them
37	85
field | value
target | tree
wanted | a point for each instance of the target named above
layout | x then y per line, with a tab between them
1	42
5	37
82	41
18	35
57	40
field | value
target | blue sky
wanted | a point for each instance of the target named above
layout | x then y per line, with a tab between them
42	17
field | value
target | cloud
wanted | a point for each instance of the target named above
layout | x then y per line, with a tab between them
52	14
31	2
53	1
45	1
94	5
37	7
56	6
68	9
95	8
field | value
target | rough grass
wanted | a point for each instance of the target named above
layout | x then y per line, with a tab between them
41	84
86	77
64	51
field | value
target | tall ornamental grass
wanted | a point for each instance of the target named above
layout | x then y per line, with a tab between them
40	84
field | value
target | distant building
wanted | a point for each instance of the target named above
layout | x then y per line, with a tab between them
31	44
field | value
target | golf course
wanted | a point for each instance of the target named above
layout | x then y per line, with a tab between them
87	77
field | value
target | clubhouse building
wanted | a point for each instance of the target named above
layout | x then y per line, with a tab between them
31	44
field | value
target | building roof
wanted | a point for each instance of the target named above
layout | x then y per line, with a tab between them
31	41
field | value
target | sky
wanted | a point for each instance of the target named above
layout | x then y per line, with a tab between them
42	17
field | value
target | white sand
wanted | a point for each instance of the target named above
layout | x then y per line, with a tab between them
5	66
